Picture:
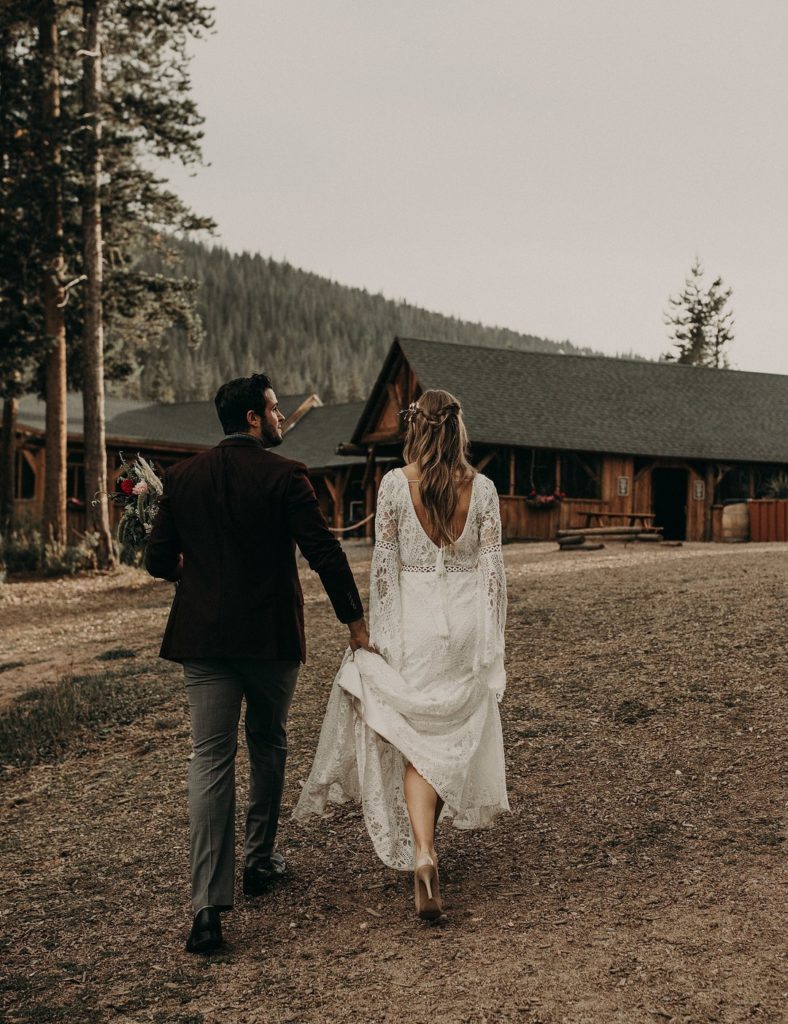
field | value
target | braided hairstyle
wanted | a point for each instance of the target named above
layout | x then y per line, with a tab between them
437	441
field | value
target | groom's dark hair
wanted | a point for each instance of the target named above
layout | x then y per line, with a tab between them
235	398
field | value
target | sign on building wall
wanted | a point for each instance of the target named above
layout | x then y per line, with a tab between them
699	490
623	486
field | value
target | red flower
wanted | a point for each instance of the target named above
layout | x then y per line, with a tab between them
126	485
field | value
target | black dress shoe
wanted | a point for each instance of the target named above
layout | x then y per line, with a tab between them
206	933
260	877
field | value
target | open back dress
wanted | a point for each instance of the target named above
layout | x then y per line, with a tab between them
430	697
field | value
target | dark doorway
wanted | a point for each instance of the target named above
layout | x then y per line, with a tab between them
669	502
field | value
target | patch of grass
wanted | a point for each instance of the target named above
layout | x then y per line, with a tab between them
50	720
116	654
630	712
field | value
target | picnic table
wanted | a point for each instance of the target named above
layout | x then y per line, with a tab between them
642	520
636	526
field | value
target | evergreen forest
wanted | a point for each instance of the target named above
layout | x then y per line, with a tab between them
305	331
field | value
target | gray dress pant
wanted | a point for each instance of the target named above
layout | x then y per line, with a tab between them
215	690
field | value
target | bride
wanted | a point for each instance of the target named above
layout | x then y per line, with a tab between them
412	728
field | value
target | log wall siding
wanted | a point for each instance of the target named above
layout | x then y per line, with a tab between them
522	522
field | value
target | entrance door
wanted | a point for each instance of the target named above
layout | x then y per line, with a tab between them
669	501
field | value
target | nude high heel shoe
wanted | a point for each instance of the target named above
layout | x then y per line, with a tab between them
427	887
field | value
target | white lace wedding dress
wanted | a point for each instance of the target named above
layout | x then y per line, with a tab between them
437	616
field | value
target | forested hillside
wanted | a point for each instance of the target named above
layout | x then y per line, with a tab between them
305	331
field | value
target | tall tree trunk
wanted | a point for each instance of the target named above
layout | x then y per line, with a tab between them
54	290
93	337
8	465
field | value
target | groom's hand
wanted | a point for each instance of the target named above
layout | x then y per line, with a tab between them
359	636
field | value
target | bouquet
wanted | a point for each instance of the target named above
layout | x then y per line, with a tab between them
138	490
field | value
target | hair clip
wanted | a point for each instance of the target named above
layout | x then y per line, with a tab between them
411	412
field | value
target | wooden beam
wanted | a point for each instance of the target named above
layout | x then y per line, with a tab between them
394	391
512	488
369	466
643	470
485	460
380	437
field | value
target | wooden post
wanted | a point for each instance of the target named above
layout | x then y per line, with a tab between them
370	492
336	519
8	465
336	489
708	531
512	487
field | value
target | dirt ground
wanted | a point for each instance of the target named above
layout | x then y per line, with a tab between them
641	875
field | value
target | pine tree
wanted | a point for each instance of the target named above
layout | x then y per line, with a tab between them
22	343
94	430
54	288
67	188
700	326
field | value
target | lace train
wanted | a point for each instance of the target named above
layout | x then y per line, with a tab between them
374	725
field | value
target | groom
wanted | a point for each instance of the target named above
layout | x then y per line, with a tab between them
225	533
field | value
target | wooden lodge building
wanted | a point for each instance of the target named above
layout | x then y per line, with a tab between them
167	433
611	435
600	434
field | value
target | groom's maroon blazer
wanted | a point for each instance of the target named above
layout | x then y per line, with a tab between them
235	513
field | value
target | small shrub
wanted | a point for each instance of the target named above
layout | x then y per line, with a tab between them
25	550
777	485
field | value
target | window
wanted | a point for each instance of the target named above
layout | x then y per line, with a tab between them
75	480
766	477
534	470
735	485
25	478
581	476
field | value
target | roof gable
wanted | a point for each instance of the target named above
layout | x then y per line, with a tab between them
183	424
315	437
601	404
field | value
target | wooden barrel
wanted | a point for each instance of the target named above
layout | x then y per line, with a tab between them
735	523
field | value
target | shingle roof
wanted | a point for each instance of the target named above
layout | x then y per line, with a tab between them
185	423
315	437
599	404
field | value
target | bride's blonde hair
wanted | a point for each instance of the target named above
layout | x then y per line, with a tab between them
437	441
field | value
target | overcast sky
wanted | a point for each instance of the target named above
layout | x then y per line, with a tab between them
544	165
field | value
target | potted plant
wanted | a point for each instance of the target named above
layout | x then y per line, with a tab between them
544	501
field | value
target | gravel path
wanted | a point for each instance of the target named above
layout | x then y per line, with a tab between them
640	877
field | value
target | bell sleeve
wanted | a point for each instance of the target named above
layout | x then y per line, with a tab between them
492	582
385	604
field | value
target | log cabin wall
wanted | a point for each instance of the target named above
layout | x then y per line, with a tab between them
520	522
697	501
625	487
617	490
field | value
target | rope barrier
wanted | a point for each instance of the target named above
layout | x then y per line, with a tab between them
355	526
